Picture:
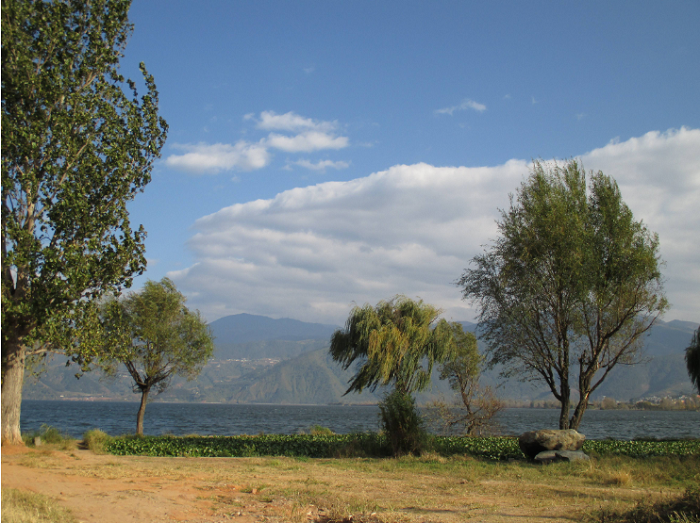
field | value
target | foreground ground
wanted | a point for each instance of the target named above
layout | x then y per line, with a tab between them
113	489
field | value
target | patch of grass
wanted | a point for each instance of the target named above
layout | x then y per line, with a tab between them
26	507
97	441
679	509
50	436
318	430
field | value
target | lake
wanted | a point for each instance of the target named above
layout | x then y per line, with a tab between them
76	417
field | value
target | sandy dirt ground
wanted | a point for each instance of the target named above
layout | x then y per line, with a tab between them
109	489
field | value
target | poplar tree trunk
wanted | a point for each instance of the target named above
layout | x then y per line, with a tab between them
13	356
142	411
565	406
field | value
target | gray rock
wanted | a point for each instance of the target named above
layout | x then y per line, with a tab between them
551	456
536	441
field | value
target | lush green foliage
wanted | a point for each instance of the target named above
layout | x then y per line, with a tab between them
155	336
642	449
372	445
402	424
570	286
692	359
76	148
302	445
396	341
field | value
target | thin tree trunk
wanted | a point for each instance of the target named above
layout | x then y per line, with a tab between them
142	411
13	356
578	412
565	406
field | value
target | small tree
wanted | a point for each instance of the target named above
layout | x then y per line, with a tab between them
397	342
692	359
570	287
76	148
156	337
477	405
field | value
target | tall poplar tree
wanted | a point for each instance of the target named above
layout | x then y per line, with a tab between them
78	143
570	287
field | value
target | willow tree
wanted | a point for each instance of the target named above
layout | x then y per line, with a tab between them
77	145
155	336
570	286
396	343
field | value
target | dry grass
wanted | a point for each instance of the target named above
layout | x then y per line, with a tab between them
408	489
26	507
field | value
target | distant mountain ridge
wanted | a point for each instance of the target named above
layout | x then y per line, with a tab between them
242	328
265	360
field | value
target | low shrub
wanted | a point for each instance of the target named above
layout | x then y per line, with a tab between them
318	430
97	441
48	434
401	422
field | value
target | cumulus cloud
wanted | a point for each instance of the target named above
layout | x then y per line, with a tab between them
211	159
311	252
306	142
466	104
321	165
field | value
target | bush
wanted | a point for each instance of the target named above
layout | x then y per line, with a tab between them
318	430
48	434
402	424
97	441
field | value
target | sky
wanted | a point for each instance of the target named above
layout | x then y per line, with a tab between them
323	155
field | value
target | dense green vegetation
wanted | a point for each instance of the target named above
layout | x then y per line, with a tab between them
371	445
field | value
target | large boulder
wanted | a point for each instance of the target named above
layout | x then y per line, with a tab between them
536	441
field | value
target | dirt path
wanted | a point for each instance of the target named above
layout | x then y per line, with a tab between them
92	497
109	489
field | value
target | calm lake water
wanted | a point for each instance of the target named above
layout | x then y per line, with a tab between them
76	417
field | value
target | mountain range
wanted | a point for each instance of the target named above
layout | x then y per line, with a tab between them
264	360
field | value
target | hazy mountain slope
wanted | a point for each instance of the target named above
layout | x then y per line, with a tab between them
288	371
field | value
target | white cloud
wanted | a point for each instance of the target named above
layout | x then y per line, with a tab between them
211	159
270	121
310	252
306	142
466	104
321	165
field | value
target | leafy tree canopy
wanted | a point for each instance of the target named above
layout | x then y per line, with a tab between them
156	337
78	143
397	341
570	286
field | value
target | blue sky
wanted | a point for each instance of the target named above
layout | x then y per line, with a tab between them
322	154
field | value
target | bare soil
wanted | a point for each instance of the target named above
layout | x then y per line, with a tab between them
110	489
